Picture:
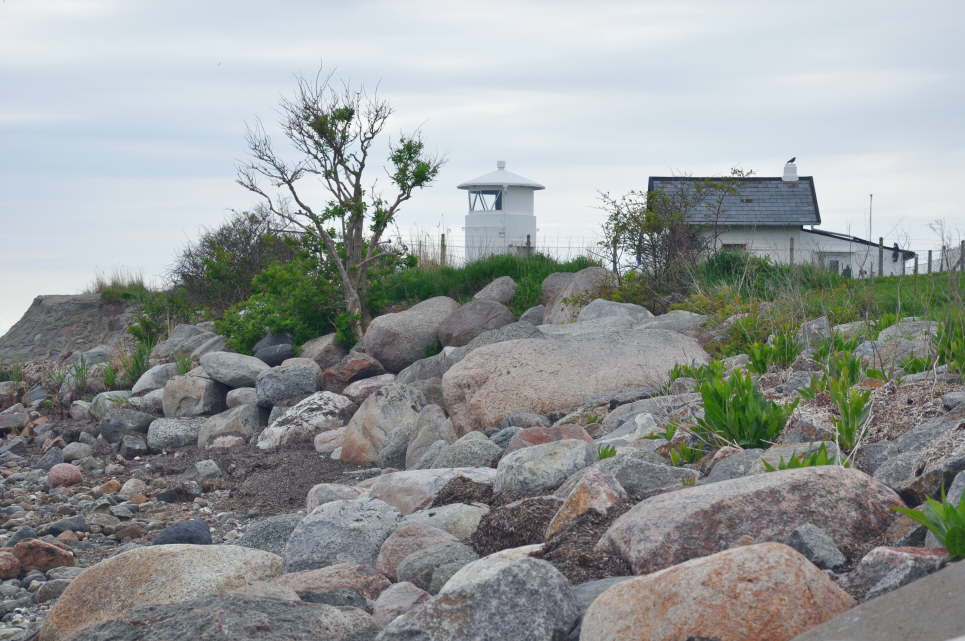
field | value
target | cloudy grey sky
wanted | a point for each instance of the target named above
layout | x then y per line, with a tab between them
122	121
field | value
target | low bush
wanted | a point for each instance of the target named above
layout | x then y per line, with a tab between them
736	413
12	372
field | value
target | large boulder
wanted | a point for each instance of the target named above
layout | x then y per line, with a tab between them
400	339
324	350
585	285
340	532
930	609
284	382
391	408
120	421
362	578
415	490
242	420
190	395
431	426
485	601
546	376
319	412
239	617
472	450
269	534
354	366
764	592
183	339
154	378
666	529
430	567
600	308
543	468
172	433
552	286
152	575
408	538
458	519
473	319
500	290
234	370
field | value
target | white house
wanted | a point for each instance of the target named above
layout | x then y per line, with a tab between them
500	218
776	217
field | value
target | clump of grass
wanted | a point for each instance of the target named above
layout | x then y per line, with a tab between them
605	451
183	363
817	457
80	372
415	284
853	408
119	285
735	412
110	377
136	363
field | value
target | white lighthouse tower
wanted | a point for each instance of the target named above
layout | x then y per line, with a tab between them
500	218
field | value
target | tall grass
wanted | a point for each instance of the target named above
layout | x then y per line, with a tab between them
461	283
119	285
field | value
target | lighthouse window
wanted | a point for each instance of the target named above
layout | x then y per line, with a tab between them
486	200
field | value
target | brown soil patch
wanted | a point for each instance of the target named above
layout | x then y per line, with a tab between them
573	551
265	482
896	409
516	524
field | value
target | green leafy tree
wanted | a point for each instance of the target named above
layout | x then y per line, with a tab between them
334	129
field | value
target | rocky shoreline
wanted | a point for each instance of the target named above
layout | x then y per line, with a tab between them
464	475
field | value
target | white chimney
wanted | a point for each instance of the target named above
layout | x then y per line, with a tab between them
500	164
790	172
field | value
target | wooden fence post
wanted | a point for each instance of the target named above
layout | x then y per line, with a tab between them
881	256
442	251
961	256
902	257
791	254
529	246
929	261
916	265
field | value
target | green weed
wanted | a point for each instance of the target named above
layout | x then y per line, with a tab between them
944	520
735	412
819	456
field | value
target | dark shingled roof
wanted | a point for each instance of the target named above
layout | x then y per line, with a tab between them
756	201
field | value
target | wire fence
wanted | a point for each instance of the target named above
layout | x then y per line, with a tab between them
858	260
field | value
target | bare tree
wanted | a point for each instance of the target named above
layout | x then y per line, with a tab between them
334	129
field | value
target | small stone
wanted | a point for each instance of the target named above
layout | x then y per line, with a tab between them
50	590
817	546
9	565
133	486
194	532
64	474
40	555
207	469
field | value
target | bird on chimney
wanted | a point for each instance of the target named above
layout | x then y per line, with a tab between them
793	158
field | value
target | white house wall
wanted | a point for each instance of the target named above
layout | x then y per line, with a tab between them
816	249
495	232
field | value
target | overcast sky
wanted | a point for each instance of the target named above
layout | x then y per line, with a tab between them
122	121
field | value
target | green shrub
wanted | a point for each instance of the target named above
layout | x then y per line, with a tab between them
216	270
700	373
735	412
944	520
683	452
819	456
853	408
295	297
785	349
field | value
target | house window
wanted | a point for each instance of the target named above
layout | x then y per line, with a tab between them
735	247
486	200
747	200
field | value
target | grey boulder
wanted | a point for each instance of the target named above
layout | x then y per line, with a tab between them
400	339
500	290
542	468
234	370
172	433
472	319
340	532
284	382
